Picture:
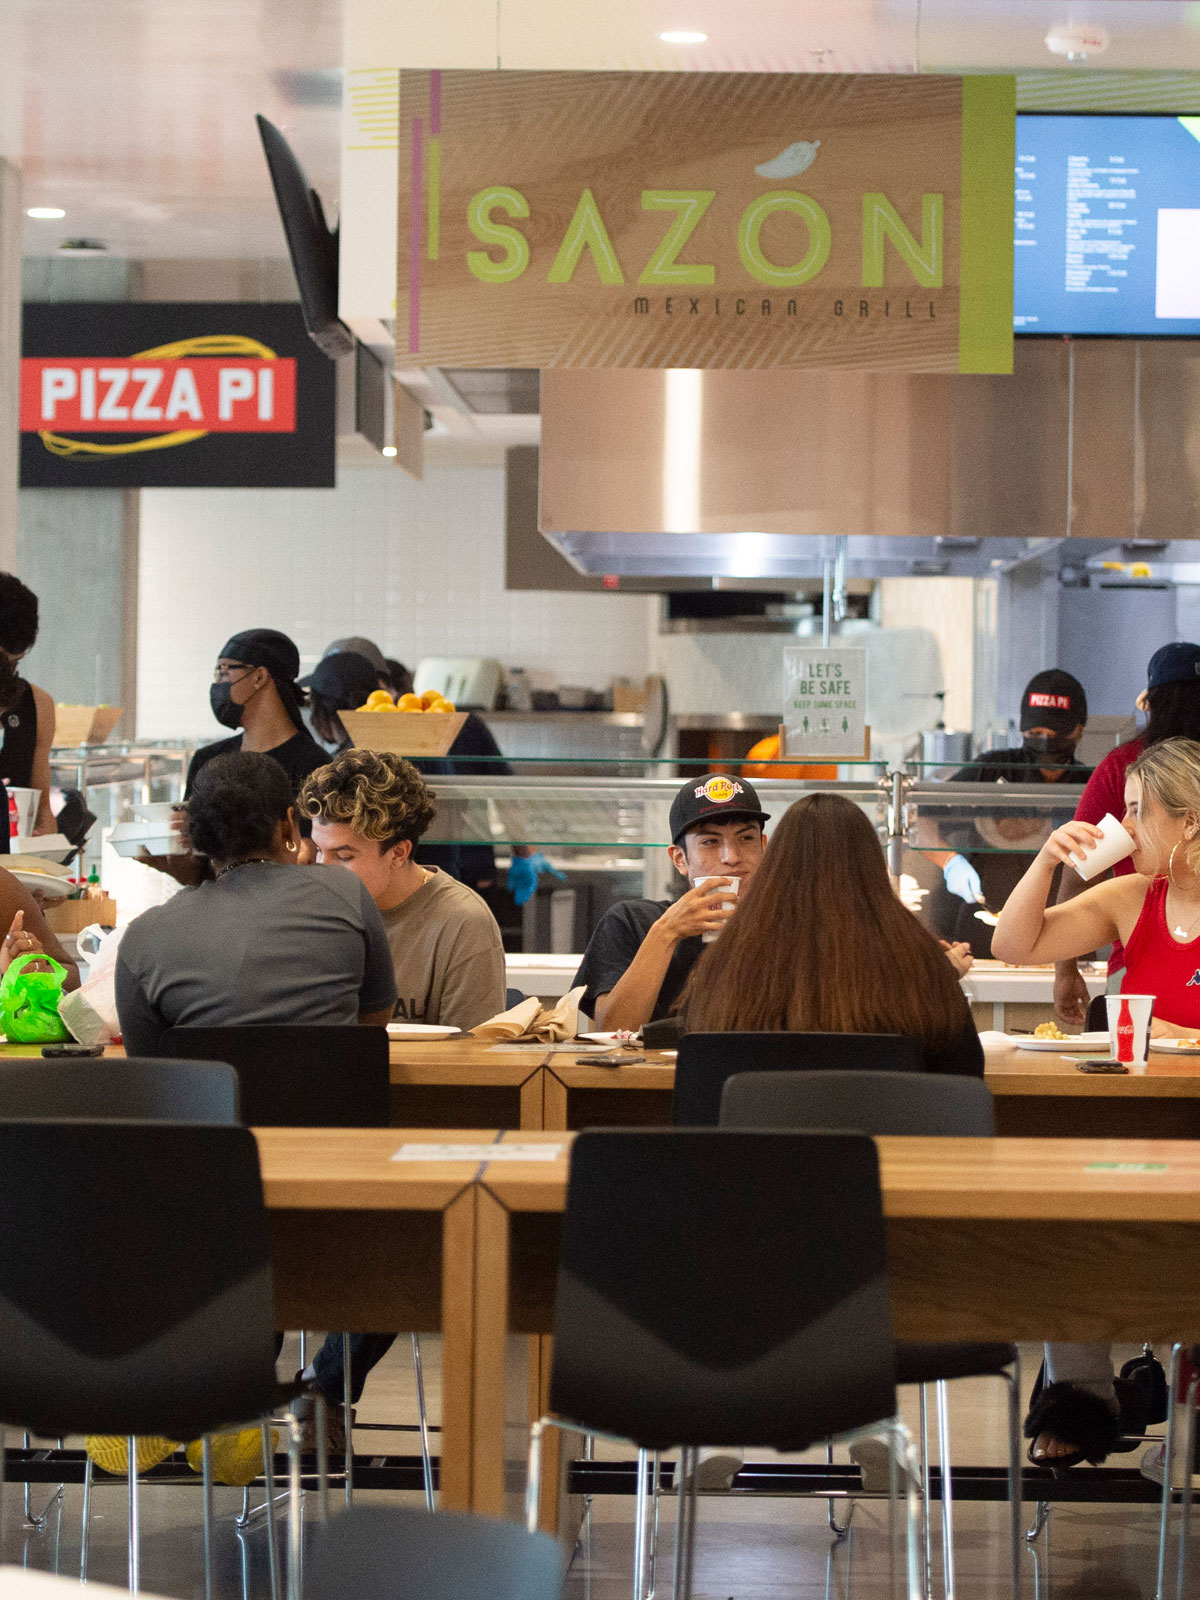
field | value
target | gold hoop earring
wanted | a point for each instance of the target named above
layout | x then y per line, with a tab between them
292	846
1171	863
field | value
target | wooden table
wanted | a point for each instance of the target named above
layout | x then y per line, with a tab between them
1003	1238
1044	1094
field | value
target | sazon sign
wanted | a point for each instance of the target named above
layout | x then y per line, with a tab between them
596	219
208	408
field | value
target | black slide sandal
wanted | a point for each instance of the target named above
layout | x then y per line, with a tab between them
1076	1417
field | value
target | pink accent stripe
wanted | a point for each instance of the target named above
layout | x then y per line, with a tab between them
435	102
414	240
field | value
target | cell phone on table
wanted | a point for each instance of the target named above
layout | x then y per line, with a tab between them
1099	1065
60	1052
608	1061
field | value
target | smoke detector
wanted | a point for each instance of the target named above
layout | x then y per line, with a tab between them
1076	41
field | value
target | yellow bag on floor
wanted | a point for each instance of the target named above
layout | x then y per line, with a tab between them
111	1452
237	1456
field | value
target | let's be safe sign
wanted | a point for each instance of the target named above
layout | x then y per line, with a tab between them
139	395
825	700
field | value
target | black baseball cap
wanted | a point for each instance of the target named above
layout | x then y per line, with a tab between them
1174	663
344	678
714	797
1053	699
267	647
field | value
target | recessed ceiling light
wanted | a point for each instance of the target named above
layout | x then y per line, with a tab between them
389	450
682	36
46	213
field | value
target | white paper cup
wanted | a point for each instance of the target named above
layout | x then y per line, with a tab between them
731	888
27	806
1129	1017
1113	845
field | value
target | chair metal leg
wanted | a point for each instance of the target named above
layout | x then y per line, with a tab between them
943	1426
322	1456
85	1527
1164	1519
652	1553
1185	1507
913	1505
685	1523
838	1530
422	1418
295	1582
533	1477
347	1419
134	1551
303	1349
1012	1381
269	1480
207	1476
926	1499
1040	1518
640	1515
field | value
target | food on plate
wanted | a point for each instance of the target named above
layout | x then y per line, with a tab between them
1049	1030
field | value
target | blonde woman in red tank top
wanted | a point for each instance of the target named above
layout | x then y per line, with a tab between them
1080	1413
1154	911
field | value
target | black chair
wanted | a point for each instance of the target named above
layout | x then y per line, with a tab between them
312	1077
124	1089
298	1077
380	1553
1096	1020
706	1060
721	1288
136	1293
928	1105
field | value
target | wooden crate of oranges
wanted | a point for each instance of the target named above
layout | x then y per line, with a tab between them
416	725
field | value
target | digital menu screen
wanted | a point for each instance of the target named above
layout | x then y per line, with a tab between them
1107	235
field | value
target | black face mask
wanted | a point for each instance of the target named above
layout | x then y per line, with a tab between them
224	707
1052	750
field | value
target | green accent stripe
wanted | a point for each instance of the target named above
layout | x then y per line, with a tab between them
985	301
433	179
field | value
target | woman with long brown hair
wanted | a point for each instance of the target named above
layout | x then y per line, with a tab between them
821	944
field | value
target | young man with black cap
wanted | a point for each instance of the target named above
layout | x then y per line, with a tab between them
1053	715
642	952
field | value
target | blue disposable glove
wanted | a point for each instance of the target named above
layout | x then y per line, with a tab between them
962	879
522	877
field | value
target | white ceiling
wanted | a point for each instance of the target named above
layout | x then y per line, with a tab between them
138	114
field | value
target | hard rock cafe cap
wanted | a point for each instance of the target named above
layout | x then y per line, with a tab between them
1053	699
1174	663
713	796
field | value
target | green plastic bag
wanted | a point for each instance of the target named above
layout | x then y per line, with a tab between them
29	1001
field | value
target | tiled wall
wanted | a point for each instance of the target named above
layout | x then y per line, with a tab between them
419	567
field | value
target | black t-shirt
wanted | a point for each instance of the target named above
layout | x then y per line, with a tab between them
298	756
612	947
999	871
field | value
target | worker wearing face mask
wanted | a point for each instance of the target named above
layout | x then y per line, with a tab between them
254	691
1053	715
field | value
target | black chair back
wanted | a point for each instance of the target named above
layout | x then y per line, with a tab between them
918	1104
723	1288
126	1088
383	1552
298	1077
135	1279
1097	1015
706	1060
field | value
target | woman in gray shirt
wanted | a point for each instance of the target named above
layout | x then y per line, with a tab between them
265	941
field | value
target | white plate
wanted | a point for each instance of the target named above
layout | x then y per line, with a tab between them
1176	1047
610	1038
52	888
1077	1041
419	1030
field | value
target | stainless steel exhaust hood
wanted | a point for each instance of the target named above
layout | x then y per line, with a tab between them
751	475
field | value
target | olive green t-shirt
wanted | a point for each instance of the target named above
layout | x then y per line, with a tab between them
447	955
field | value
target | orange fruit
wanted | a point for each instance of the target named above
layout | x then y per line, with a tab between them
429	698
409	702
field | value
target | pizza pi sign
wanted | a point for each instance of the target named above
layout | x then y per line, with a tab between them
131	394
